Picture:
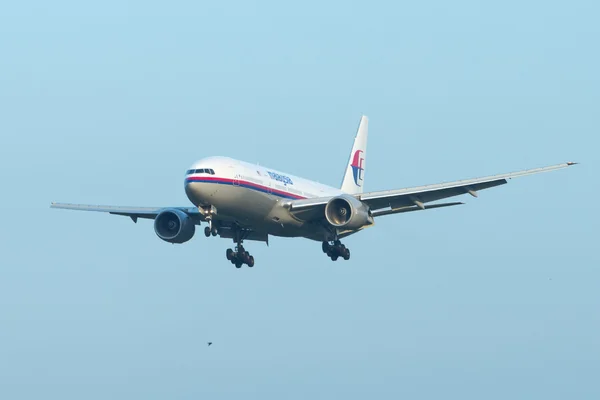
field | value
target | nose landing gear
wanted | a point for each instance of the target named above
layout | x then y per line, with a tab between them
335	250
209	212
210	230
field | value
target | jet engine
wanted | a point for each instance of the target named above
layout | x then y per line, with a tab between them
174	226
347	212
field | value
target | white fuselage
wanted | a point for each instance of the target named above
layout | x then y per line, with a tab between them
252	194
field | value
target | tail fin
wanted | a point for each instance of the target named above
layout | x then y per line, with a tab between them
354	177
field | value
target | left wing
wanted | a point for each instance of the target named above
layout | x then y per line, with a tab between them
411	199
132	212
418	196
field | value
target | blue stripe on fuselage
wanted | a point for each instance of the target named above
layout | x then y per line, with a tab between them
256	187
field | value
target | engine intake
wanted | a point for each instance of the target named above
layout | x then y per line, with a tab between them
174	226
347	212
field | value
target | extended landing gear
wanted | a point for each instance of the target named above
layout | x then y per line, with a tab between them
335	250
209	212
210	231
240	257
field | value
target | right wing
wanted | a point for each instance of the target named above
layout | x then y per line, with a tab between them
226	225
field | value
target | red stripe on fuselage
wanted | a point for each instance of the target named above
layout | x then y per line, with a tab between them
209	179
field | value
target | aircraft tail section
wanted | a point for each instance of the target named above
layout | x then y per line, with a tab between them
354	176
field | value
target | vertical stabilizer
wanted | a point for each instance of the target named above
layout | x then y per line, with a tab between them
354	176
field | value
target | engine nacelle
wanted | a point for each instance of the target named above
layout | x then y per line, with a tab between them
347	212
174	226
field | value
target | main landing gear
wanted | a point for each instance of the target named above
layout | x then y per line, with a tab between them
335	250
239	255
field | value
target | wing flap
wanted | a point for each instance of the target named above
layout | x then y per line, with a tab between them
380	213
427	196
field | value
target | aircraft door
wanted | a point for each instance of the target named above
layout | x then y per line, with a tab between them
236	176
265	181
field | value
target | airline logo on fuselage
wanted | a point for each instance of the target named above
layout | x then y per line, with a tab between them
281	178
357	167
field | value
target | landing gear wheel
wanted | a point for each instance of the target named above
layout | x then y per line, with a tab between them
214	231
238	255
335	250
206	231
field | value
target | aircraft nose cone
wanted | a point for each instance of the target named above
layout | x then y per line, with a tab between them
191	191
199	192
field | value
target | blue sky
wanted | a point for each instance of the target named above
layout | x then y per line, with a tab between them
109	103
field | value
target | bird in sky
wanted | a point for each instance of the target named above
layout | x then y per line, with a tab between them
209	343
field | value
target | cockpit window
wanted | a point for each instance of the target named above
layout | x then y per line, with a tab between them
201	171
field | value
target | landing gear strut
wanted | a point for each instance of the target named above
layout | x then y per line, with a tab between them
335	250
239	255
209	212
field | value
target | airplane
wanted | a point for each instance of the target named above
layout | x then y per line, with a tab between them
242	201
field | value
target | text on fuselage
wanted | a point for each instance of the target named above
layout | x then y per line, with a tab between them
281	178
